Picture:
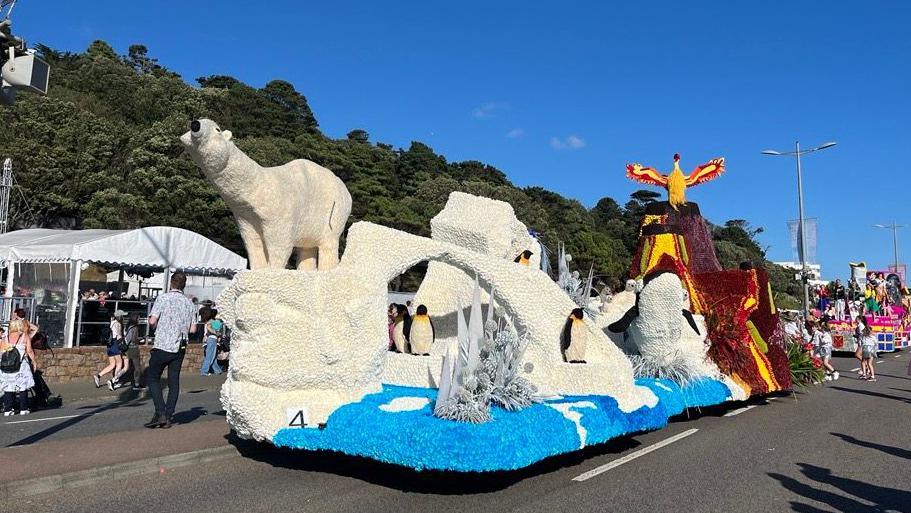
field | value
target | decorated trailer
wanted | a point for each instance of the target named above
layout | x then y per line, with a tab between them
891	325
891	331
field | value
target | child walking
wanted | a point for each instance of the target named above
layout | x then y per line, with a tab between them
868	352
859	330
824	350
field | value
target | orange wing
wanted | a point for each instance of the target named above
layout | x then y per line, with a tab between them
647	175
708	171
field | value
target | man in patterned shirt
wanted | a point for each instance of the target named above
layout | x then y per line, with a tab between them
173	317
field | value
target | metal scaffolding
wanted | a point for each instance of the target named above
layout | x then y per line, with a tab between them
6	185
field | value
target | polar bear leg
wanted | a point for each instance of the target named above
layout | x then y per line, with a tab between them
278	255
254	244
328	255
306	258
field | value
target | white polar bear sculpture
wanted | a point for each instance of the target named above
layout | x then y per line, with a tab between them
299	206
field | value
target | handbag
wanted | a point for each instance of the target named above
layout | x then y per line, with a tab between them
10	360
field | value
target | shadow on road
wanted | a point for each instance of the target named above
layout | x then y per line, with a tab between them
409	480
888	449
187	416
849	496
125	398
881	375
872	393
719	410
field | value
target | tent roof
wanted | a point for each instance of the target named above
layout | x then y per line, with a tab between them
154	246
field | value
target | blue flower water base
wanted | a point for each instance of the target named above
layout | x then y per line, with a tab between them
397	426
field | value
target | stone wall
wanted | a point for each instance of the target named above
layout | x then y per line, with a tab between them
79	363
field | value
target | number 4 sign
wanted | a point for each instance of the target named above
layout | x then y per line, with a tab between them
297	417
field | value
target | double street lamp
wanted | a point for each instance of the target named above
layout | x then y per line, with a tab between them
802	240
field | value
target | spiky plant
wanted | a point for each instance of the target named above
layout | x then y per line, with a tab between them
486	368
806	369
571	282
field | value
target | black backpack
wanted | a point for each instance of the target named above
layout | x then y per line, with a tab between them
10	361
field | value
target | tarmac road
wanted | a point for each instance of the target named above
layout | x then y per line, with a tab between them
109	412
841	447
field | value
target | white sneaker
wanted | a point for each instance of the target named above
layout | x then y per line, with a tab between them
835	375
8	413
828	377
97	379
24	412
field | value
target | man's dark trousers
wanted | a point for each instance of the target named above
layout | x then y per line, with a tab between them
157	363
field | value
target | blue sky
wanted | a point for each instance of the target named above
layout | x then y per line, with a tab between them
563	95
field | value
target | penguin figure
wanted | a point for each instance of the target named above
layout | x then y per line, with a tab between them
401	329
652	327
624	322
573	341
422	335
523	258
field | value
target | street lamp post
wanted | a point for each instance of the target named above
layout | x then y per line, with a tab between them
802	241
894	227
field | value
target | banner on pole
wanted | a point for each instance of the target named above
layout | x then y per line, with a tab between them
809	226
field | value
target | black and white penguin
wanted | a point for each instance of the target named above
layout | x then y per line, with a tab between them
652	327
401	329
574	339
421	336
524	258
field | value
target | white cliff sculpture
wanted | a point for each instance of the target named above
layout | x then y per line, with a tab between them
336	325
299	206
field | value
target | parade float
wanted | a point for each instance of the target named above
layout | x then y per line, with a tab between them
891	325
501	366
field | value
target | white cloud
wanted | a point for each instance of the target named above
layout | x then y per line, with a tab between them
572	142
575	142
488	110
515	133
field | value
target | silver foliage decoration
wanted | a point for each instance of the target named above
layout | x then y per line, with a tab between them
679	367
571	283
486	369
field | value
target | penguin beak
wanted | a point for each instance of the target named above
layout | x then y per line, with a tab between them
688	315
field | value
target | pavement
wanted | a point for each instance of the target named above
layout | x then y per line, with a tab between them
839	447
97	427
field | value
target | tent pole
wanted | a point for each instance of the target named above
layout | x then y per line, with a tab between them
166	286
10	286
72	299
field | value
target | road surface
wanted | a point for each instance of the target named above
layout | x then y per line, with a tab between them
842	447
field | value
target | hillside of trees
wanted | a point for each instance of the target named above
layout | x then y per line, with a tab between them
101	151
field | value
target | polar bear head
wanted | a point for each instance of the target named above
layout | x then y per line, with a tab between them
208	145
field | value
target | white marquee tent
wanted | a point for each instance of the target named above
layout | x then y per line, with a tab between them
155	247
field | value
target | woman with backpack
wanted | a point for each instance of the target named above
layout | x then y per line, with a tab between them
15	372
116	365
213	333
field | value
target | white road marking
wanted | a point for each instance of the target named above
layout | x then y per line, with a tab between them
897	356
633	455
880	361
738	411
854	369
50	418
773	398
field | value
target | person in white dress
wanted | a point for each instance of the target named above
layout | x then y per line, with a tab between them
15	385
